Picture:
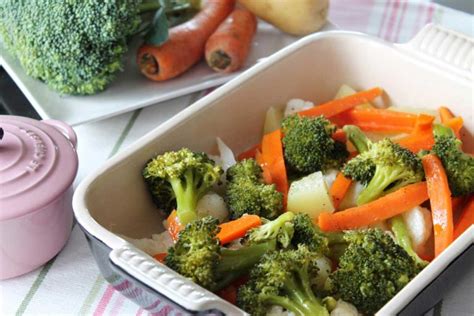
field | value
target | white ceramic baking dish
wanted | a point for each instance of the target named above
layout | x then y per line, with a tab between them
433	69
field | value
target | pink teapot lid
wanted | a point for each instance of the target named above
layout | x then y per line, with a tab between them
38	163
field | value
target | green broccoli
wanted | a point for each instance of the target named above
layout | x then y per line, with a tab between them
280	229
308	146
384	165
76	47
402	237
372	270
246	192
308	234
283	278
459	166
198	255
181	178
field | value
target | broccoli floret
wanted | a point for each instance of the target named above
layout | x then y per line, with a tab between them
280	229
403	238
372	270
198	255
308	234
308	146
246	192
459	166
384	165
181	178
76	47
283	278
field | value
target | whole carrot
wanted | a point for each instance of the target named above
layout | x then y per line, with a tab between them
228	47
185	45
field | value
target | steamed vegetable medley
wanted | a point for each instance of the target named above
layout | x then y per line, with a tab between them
336	209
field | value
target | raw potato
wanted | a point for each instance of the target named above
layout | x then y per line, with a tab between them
310	195
272	120
297	17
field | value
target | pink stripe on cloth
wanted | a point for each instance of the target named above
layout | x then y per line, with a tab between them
429	17
400	22
384	17
104	301
139	312
392	20
117	305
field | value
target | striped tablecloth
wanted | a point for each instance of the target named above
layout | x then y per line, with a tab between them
71	284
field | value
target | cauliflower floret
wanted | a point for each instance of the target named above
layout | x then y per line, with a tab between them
324	266
344	309
158	243
297	105
419	224
214	205
350	199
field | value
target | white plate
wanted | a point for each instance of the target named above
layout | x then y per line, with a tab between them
131	90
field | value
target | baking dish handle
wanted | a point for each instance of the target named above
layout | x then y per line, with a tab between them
443	48
169	283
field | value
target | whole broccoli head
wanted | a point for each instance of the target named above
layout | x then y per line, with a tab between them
372	270
246	192
198	255
459	166
282	278
180	178
280	229
308	146
384	165
76	47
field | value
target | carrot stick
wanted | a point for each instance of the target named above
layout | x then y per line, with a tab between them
228	47
448	119
339	189
440	200
174	225
457	203
378	120
445	114
237	228
185	45
466	219
339	136
337	106
249	153
160	256
272	159
422	135
383	208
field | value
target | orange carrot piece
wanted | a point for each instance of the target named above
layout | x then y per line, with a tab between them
229	293
185	45
237	228
456	125
174	225
422	135
378	120
458	202
160	256
339	189
339	136
445	114
266	174
249	153
383	208
229	45
466	219
440	200
273	160
337	106
448	119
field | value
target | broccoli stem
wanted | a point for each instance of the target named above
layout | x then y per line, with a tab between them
186	197
147	6
441	130
357	138
402	236
382	178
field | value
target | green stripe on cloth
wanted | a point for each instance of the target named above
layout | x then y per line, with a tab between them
125	132
44	271
35	287
86	306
